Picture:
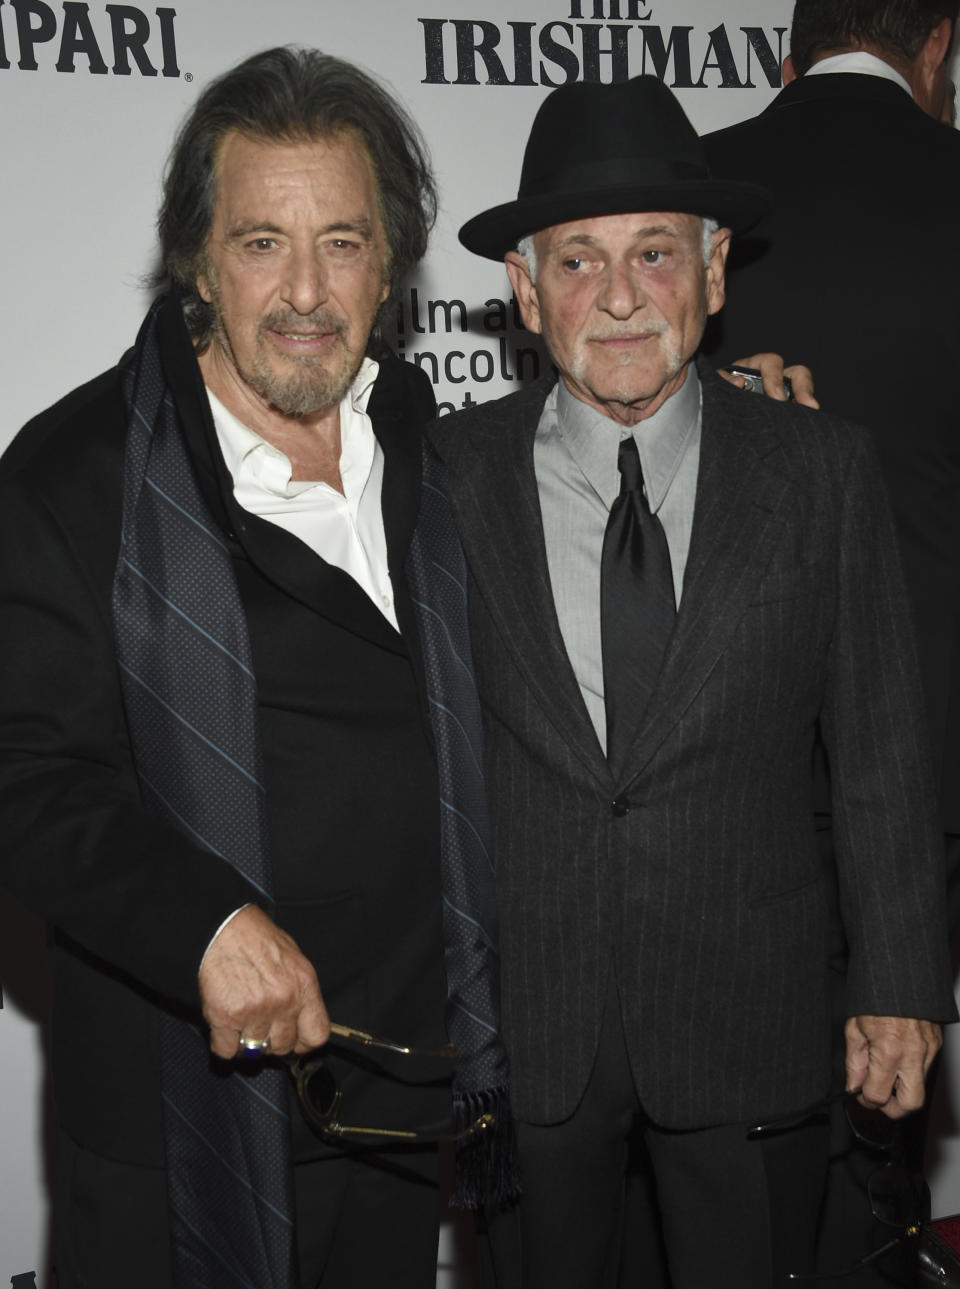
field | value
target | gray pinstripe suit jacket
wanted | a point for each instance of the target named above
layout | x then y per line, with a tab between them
707	893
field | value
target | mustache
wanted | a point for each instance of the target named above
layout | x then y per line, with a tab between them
652	328
321	320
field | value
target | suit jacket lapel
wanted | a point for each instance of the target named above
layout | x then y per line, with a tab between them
494	492
399	433
736	528
737	525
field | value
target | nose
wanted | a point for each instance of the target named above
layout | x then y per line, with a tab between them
621	292
305	286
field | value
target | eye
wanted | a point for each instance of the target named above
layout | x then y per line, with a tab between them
653	257
262	244
573	265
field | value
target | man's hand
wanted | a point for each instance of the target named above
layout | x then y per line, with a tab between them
254	981
888	1058
772	370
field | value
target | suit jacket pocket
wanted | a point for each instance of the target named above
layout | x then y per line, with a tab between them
802	886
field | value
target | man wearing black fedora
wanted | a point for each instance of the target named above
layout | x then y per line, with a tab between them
674	587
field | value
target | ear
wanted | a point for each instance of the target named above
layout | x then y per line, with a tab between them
518	271
716	270
927	73
788	72
938	43
203	281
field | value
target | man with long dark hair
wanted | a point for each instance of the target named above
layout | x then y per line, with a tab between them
239	759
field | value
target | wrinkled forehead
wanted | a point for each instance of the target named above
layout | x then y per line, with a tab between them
346	137
242	151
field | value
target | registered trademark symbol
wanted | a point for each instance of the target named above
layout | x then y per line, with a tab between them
188	76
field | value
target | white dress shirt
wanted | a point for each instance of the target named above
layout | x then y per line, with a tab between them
345	529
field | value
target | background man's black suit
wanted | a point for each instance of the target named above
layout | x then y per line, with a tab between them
857	272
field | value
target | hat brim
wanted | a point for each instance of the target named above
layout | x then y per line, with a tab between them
733	205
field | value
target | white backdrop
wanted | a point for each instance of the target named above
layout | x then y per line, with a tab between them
90	96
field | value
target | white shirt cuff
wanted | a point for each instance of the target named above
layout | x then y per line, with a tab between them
226	922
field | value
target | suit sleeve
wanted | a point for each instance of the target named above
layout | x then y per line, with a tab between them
888	845
78	847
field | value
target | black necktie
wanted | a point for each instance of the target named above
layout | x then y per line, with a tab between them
637	606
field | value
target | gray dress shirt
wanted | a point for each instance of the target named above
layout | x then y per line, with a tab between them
575	459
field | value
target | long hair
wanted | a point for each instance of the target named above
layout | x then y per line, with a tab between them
288	95
896	29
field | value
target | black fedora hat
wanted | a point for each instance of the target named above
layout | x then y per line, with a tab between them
608	150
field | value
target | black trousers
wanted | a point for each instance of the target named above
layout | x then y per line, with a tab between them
370	1219
729	1213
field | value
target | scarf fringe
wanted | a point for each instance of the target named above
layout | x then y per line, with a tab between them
487	1170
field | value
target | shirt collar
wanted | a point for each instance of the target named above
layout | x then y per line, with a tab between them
362	387
593	440
859	61
237	441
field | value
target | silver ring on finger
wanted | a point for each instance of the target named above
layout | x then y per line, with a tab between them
251	1049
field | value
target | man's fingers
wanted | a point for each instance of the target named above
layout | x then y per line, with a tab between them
770	367
801	378
858	1053
878	1088
223	1041
773	372
255	983
282	1033
313	1025
893	1054
934	1042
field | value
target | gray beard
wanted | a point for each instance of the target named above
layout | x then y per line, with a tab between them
308	389
625	393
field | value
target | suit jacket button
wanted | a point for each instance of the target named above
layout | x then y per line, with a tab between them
619	807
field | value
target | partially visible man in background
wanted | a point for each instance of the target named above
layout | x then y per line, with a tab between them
857	267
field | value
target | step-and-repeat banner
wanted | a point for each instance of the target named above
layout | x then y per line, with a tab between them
91	94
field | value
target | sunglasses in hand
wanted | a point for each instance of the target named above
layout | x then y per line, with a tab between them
319	1093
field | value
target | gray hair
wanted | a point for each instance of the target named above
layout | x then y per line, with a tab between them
707	229
525	248
288	95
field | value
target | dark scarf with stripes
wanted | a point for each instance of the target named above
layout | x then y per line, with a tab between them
190	697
